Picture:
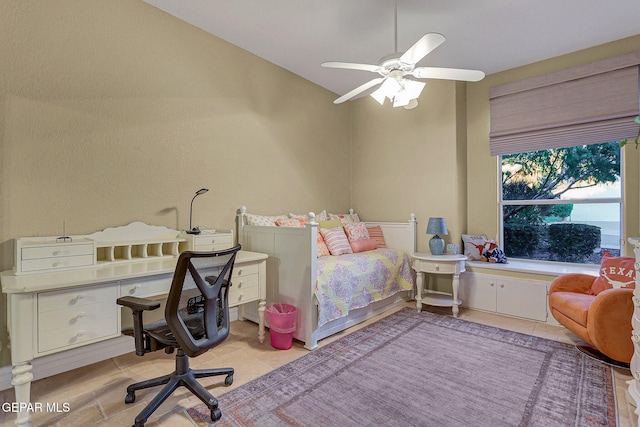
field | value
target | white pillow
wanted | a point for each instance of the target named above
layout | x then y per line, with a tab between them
264	219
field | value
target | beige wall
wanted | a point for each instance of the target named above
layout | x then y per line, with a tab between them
113	111
482	177
411	161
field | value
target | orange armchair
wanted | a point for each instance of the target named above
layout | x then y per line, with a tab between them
603	320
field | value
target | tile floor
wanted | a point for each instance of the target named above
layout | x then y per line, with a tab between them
95	393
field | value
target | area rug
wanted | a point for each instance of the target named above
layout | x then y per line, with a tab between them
425	369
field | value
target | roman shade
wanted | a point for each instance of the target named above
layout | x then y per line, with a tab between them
589	104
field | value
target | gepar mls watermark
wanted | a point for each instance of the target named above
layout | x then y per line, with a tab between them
15	407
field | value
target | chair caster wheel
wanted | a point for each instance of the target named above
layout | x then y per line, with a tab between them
131	397
216	414
228	380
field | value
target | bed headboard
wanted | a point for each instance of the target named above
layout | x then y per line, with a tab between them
399	235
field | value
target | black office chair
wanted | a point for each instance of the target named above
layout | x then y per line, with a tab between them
196	320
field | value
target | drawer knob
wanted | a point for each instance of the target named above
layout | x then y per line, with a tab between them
239	284
80	296
80	333
437	267
240	297
239	271
80	315
502	285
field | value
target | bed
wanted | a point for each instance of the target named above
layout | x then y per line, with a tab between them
295	275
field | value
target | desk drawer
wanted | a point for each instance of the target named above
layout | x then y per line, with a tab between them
76	297
38	252
212	242
240	270
244	289
73	316
70	336
40	264
76	316
146	287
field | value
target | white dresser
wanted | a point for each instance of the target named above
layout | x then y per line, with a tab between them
61	294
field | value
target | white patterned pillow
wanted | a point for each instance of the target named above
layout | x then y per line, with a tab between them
322	216
356	231
264	219
336	241
345	218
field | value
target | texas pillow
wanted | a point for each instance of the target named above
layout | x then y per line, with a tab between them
615	272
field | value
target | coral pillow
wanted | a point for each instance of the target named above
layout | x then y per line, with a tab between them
615	272
323	250
363	245
356	231
376	234
336	241
291	222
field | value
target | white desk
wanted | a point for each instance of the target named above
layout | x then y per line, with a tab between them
54	313
425	263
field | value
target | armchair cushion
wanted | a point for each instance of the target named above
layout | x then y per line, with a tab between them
615	272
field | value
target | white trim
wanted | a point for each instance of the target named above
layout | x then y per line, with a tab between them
536	267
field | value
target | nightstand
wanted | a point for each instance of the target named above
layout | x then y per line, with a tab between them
425	263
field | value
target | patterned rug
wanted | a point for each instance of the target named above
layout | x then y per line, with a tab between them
424	369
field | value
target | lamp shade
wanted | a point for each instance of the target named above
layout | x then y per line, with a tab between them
437	226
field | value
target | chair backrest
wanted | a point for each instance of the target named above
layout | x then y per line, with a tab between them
197	310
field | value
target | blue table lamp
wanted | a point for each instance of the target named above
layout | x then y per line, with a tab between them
437	226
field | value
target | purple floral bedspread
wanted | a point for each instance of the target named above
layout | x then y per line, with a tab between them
353	281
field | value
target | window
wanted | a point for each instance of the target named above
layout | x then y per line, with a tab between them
562	204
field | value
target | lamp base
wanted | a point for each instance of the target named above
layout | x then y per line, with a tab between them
436	245
194	230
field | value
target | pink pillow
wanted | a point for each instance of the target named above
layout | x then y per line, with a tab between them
336	240
356	231
376	234
363	245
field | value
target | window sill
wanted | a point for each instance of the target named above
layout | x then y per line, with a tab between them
536	267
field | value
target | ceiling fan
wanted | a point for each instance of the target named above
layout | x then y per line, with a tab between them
394	70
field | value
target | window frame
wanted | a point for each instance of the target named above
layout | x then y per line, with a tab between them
608	200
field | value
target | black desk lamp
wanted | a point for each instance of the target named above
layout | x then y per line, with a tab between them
195	230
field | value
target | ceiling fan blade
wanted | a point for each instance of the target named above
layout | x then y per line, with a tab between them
359	89
448	74
422	48
351	66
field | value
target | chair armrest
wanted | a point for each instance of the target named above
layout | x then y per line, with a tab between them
609	323
572	282
138	306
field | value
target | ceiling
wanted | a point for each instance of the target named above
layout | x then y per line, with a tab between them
487	35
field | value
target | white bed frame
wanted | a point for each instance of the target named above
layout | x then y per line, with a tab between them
291	272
